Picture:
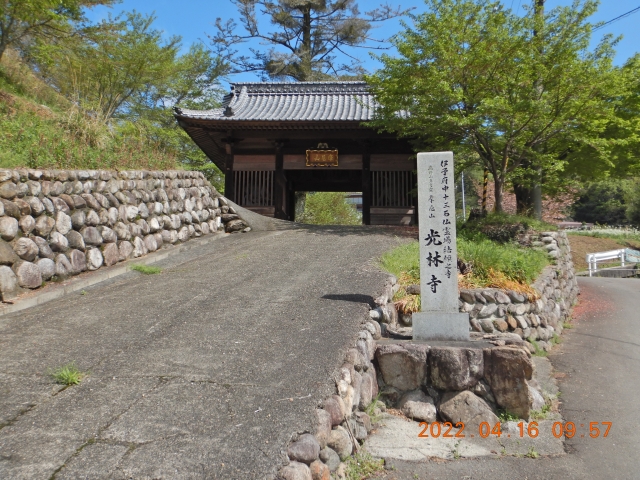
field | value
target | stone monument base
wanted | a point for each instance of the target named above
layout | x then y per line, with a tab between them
440	326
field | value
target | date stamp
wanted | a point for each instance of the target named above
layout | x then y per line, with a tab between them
531	430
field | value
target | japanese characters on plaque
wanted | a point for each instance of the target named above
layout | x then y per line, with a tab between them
438	257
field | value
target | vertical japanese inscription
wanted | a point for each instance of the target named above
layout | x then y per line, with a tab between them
438	261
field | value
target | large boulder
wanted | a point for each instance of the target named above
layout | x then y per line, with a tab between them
306	449
8	228
47	268
340	442
26	249
27	224
111	254
63	266
7	255
8	283
295	471
506	370
91	236
94	259
44	225
75	240
403	366
78	261
28	275
322	428
454	368
63	223
330	458
418	406
467	408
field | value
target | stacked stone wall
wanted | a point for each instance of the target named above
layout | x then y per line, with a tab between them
494	311
57	223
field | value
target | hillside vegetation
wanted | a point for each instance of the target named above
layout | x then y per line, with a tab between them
42	129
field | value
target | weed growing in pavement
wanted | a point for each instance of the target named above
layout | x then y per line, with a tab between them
456	452
506	416
555	340
541	414
83	292
363	465
567	325
68	374
146	269
532	453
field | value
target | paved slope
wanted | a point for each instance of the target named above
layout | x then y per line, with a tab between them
191	370
600	359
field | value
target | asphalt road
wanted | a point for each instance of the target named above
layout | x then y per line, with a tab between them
598	367
202	371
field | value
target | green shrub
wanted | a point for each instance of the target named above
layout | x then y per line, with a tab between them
329	208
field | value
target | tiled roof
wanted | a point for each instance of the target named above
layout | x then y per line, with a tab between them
302	101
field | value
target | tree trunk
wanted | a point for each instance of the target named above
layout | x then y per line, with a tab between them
498	183
524	199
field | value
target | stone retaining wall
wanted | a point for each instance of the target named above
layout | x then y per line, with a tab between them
341	423
495	311
57	223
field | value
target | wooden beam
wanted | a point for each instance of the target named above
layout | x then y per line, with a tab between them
366	184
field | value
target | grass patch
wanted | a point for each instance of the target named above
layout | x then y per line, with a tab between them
506	416
363	465
146	269
555	340
539	351
493	265
67	374
532	453
502	227
370	409
541	414
567	325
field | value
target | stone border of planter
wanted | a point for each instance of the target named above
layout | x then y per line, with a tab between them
494	311
60	223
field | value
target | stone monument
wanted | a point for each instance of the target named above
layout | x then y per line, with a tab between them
440	318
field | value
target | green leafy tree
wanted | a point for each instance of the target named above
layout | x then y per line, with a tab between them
605	202
306	39
514	90
23	21
106	70
329	208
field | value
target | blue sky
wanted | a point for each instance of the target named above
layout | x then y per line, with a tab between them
193	19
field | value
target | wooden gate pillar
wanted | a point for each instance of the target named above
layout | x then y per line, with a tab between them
229	185
279	184
366	184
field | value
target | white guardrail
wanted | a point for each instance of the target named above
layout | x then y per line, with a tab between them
624	254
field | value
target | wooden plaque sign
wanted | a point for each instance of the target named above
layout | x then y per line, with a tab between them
322	158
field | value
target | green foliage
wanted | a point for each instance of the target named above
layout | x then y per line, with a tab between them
146	269
541	414
403	260
307	36
371	408
363	465
519	100
532	453
23	22
487	258
506	416
519	264
68	374
329	208
605	202
501	227
111	105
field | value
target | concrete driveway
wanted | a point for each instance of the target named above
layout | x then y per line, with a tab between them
202	371
598	367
